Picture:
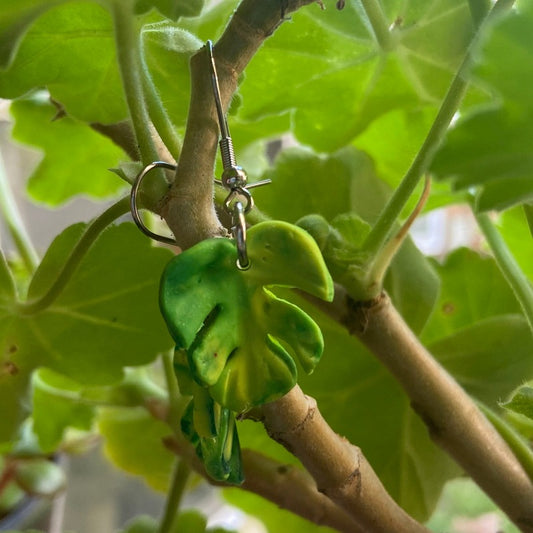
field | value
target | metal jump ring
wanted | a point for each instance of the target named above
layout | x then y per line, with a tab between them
239	234
234	194
133	201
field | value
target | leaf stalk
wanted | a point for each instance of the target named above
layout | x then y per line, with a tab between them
510	269
450	105
15	225
182	473
93	230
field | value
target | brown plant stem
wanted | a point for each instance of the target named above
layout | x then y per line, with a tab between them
188	207
453	420
339	468
285	485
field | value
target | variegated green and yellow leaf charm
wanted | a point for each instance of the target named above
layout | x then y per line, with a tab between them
239	338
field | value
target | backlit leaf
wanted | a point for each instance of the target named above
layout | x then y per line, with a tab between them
327	64
76	158
59	52
474	154
133	442
105	319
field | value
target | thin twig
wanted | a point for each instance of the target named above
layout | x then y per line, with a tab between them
287	486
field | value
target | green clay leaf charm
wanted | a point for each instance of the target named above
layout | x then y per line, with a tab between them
237	334
234	338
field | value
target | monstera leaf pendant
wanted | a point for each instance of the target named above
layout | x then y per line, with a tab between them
237	341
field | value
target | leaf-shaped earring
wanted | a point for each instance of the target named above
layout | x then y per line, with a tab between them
235	340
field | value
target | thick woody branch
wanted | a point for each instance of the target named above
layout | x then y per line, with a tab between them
188	208
339	468
285	485
452	418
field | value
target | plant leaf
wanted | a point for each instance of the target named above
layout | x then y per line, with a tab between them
56	406
490	357
232	326
75	156
15	19
105	319
133	442
59	52
472	289
337	69
474	154
521	401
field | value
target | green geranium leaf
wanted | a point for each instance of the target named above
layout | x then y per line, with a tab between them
75	156
56	406
465	272
60	402
15	19
59	52
490	357
134	443
521	401
105	319
474	154
40	477
334	53
349	202
231	325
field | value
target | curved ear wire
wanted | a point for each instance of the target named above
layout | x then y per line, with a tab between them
133	201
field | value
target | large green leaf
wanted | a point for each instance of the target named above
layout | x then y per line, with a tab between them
59	52
76	158
490	357
105	319
341	186
133	442
56	406
326	64
492	148
15	19
232	326
472	289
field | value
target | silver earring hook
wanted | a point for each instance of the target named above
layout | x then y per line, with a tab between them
223	123
133	201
